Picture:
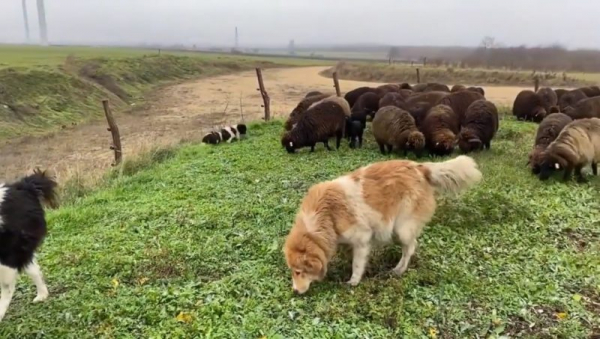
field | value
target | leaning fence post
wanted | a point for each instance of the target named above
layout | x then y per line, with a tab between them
114	130
418	76
536	83
336	84
264	94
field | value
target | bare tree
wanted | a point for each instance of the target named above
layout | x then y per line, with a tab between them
488	42
393	54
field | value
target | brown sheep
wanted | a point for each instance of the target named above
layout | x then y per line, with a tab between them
385	89
405	93
560	92
576	146
367	104
547	132
310	94
321	122
405	85
477	90
419	110
460	101
436	87
395	128
440	127
571	98
528	106
430	97
548	98
596	90
302	106
354	94
457	88
588	91
479	127
586	108
419	87
393	99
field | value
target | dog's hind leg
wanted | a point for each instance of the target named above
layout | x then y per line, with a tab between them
359	262
8	279
407	234
35	273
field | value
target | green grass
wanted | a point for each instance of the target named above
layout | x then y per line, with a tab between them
397	73
44	89
201	232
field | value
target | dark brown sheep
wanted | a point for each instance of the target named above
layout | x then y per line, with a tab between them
396	128
419	110
460	101
548	98
588	91
436	87
302	107
479	126
393	99
596	90
310	94
354	94
388	88
440	127
430	97
477	90
405	93
321	122
419	87
528	106
367	104
547	132
560	92
571	98
586	108
457	88
576	146
405	85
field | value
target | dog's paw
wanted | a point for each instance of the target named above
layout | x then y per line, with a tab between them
398	272
41	297
353	282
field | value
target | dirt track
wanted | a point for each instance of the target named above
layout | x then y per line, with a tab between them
172	114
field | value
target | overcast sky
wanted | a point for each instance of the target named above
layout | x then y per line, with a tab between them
572	23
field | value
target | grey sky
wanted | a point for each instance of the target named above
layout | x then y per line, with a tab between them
572	23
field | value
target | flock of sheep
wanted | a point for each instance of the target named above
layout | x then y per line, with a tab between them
435	118
425	117
568	137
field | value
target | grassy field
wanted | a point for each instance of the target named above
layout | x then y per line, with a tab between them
45	89
380	72
191	247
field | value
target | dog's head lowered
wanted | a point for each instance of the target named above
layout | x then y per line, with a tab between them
305	258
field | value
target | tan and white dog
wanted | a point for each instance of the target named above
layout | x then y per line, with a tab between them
373	203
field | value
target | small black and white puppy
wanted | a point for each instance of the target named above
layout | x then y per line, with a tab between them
22	231
231	133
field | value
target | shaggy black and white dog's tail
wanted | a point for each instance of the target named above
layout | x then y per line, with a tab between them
41	184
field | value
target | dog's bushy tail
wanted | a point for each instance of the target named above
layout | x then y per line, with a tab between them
452	176
43	185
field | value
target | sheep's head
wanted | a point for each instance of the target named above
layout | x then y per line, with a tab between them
538	114
416	142
468	141
443	144
536	159
288	143
551	163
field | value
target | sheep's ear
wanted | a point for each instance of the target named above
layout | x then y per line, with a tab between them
557	166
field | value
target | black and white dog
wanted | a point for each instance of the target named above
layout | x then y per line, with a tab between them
22	230
227	134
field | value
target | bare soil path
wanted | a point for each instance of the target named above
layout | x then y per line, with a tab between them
173	114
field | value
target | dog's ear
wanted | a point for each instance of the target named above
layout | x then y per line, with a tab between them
314	266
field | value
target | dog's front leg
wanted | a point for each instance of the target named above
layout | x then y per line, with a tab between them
8	279
359	262
35	273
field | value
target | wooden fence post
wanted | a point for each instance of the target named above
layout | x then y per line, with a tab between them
114	130
536	83
264	94
336	84
418	76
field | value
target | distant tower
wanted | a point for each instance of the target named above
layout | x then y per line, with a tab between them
26	20
292	47
237	39
42	21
